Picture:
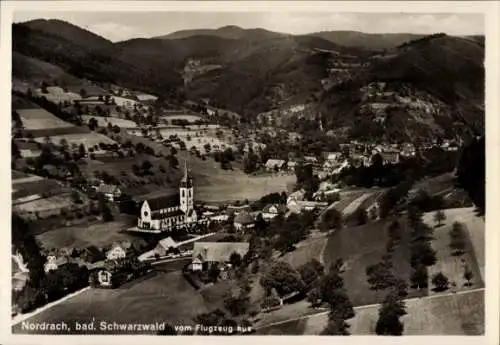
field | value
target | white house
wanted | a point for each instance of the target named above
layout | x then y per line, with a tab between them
273	210
110	192
274	164
164	245
116	252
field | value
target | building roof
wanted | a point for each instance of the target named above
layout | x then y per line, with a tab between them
167	243
162	202
279	208
165	215
108	189
244	218
219	251
271	163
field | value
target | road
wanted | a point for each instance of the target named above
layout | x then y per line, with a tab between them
324	313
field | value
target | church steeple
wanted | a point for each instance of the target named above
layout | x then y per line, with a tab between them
186	181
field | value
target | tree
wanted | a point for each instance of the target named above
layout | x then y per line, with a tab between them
75	197
380	275
361	216
146	165
457	238
340	305
336	326
422	253
235	260
314	297
311	271
440	282
468	275
395	231
390	311
332	219
439	217
282	277
93	124
419	277
214	272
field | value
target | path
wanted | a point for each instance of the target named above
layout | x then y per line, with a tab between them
367	306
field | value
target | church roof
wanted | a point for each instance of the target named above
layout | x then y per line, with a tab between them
165	215
162	202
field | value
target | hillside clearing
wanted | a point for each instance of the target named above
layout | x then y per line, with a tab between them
98	234
38	118
453	266
360	247
186	117
89	140
114	121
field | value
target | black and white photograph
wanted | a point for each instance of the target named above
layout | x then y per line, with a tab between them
194	171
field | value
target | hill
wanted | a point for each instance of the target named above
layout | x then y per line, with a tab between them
88	56
228	32
429	86
366	40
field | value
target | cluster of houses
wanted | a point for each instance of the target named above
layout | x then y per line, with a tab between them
358	154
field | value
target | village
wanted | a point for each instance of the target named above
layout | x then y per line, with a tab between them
122	191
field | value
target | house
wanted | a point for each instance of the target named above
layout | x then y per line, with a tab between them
92	254
291	165
120	251
237	209
53	263
274	164
207	253
390	157
332	156
110	192
299	206
244	221
295	196
167	213
273	210
164	246
144	97
311	159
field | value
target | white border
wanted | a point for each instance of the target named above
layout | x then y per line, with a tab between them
489	8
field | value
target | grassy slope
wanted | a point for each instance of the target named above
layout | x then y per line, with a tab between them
360	247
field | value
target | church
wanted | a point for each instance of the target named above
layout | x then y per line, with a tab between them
168	213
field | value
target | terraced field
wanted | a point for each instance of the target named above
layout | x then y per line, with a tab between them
114	121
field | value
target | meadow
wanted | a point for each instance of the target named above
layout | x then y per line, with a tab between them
37	118
141	301
114	121
97	234
89	140
453	266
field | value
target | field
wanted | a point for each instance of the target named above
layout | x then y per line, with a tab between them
89	140
98	234
213	184
190	118
104	121
57	95
50	204
453	266
38	118
143	301
449	314
360	247
31	186
306	251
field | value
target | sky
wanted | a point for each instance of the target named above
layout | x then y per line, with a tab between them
117	26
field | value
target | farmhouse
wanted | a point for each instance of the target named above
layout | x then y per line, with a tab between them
291	165
144	97
53	263
244	221
298	206
390	157
274	164
164	246
120	251
273	210
110	192
237	209
170	212
208	253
